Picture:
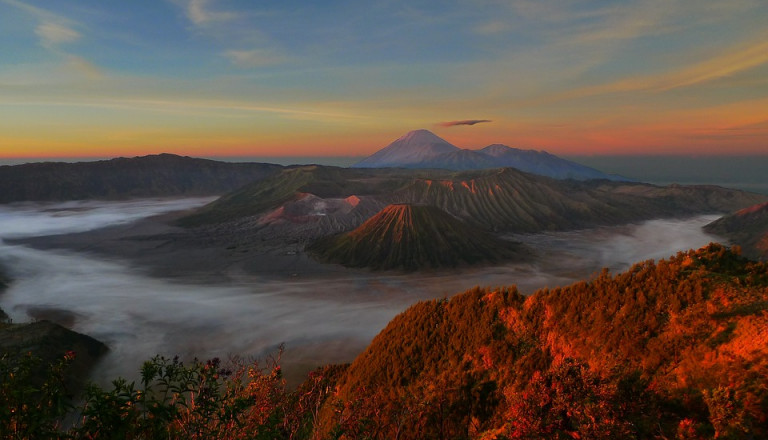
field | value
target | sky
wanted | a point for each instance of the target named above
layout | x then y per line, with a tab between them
104	78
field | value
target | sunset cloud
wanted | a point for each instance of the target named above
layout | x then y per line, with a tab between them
462	122
728	62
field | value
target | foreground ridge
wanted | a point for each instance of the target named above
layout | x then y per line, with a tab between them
663	350
667	349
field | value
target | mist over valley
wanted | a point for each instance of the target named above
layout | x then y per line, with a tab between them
321	319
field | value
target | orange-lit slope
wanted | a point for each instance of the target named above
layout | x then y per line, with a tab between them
664	347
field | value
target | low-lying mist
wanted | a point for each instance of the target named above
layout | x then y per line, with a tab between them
319	320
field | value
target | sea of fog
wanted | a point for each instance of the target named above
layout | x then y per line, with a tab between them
319	321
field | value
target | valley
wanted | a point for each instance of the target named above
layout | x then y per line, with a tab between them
144	288
318	260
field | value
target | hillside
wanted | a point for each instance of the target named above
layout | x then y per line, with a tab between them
509	200
673	349
162	175
316	201
414	147
412	237
747	228
543	163
292	185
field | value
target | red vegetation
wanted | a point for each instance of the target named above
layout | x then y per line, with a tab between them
670	349
674	349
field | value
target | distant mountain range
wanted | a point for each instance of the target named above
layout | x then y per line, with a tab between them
424	149
306	204
161	175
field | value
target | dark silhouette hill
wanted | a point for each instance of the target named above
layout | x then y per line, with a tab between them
423	149
663	350
413	237
49	342
747	228
160	175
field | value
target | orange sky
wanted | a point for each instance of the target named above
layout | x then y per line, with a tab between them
233	78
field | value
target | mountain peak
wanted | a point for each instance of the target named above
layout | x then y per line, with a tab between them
424	149
420	138
411	148
421	135
496	150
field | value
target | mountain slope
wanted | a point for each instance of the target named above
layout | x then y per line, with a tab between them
305	203
147	176
509	200
412	237
747	228
459	160
659	351
295	184
543	164
411	148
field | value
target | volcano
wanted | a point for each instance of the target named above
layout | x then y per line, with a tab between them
412	237
412	148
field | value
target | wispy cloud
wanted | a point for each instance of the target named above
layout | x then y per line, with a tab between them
53	30
254	58
721	65
219	108
493	27
85	67
462	122
243	43
200	13
54	34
